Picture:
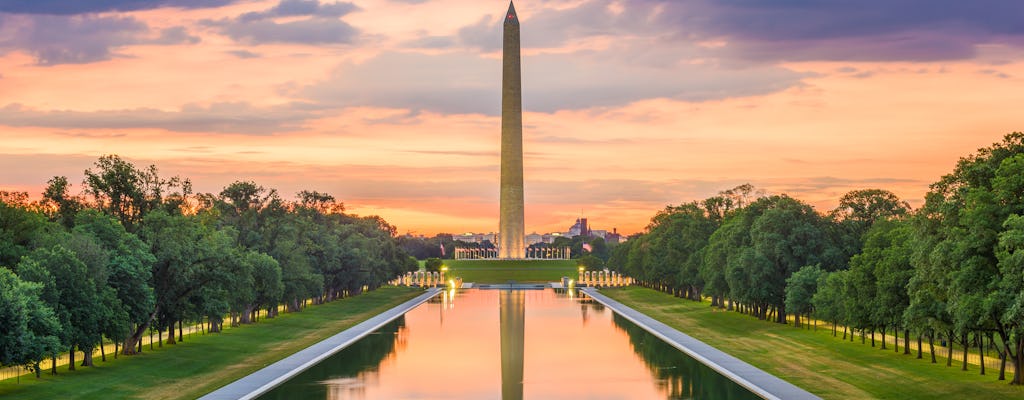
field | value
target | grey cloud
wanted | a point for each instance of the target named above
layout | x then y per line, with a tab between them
70	7
866	30
176	35
244	54
785	30
430	42
321	25
995	73
301	8
554	27
310	31
238	118
57	39
466	83
818	184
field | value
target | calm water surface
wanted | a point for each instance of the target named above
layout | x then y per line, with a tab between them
510	345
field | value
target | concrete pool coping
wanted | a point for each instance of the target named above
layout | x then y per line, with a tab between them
761	383
262	381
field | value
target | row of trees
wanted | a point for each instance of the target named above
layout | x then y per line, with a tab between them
136	252
953	268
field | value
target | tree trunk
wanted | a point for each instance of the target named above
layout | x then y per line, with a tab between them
135	338
246	315
949	350
160	338
181	336
1002	365
1018	362
931	346
981	351
53	365
170	335
883	338
116	343
87	357
71	359
906	342
967	348
918	346
103	352
872	337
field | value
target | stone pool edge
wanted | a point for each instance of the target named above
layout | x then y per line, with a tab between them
759	382
269	377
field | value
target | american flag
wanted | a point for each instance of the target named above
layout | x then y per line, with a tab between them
586	246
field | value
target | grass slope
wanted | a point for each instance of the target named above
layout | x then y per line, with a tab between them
814	360
206	362
502	271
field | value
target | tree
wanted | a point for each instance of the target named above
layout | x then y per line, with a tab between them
189	257
120	189
828	300
20	230
58	202
675	239
789	235
590	262
862	208
800	290
599	248
70	291
1008	296
890	244
968	210
433	264
128	272
28	328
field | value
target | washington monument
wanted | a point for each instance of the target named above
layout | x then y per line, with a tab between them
511	226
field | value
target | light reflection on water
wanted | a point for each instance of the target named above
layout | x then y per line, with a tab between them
510	345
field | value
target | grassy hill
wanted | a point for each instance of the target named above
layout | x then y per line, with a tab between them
502	271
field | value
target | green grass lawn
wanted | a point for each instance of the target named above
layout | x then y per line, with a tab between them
203	363
502	271
814	360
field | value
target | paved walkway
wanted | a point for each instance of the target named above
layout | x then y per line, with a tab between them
754	379
261	381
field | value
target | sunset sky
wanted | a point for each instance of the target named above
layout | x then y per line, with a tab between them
393	106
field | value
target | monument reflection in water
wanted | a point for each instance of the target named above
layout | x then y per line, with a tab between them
510	345
512	304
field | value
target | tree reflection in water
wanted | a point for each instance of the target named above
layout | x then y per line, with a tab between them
680	376
346	374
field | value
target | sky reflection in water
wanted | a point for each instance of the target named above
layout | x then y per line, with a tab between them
510	345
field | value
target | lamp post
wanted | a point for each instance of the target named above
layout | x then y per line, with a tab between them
580	280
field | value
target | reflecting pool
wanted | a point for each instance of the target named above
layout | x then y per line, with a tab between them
510	345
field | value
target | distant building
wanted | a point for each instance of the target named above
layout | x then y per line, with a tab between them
614	237
580	228
471	237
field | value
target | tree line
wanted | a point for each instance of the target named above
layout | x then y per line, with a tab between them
136	252
951	270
